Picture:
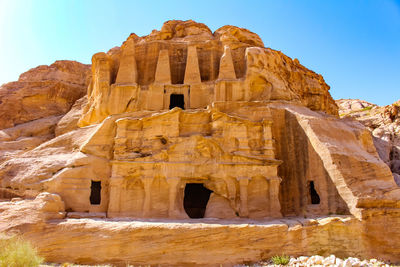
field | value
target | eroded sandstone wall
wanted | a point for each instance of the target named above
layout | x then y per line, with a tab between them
43	91
31	108
302	165
383	122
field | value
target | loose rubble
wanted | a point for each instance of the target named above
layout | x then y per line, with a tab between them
331	260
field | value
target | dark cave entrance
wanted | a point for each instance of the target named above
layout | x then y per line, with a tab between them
195	200
176	100
313	194
95	193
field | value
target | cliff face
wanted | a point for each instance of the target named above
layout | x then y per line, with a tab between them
384	124
182	124
42	91
31	107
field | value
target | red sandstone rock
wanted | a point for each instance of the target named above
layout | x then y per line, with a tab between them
42	91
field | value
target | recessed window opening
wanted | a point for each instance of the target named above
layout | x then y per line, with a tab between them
195	200
176	100
95	193
313	194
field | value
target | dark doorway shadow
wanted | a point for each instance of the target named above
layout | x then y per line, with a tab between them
195	200
176	100
95	193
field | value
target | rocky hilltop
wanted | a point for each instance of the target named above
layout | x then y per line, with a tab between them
32	109
384	124
206	147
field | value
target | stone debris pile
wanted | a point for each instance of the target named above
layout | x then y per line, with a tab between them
332	260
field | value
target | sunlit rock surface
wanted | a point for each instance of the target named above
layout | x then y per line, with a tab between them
191	147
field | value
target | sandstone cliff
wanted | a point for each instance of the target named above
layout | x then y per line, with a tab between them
184	124
384	124
42	91
32	107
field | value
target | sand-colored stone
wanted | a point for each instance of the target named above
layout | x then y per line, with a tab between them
183	124
186	58
127	71
226	67
42	91
163	71
192	71
69	121
384	124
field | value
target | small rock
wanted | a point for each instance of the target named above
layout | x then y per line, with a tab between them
318	260
347	263
329	260
338	262
303	259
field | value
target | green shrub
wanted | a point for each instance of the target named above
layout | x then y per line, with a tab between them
16	252
366	108
280	260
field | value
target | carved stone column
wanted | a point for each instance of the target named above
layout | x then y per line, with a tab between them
114	205
173	183
230	184
275	206
147	182
243	184
268	140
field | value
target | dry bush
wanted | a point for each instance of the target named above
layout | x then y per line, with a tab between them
16	252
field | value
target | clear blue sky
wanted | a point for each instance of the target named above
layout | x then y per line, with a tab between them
354	44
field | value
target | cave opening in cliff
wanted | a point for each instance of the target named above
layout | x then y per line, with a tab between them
195	200
95	193
313	194
176	100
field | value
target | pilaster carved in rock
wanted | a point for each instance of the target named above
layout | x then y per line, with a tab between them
116	184
173	183
275	206
243	185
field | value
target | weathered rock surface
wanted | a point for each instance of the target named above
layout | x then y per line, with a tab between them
26	136
185	123
31	108
206	242
70	120
41	92
20	214
384	124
